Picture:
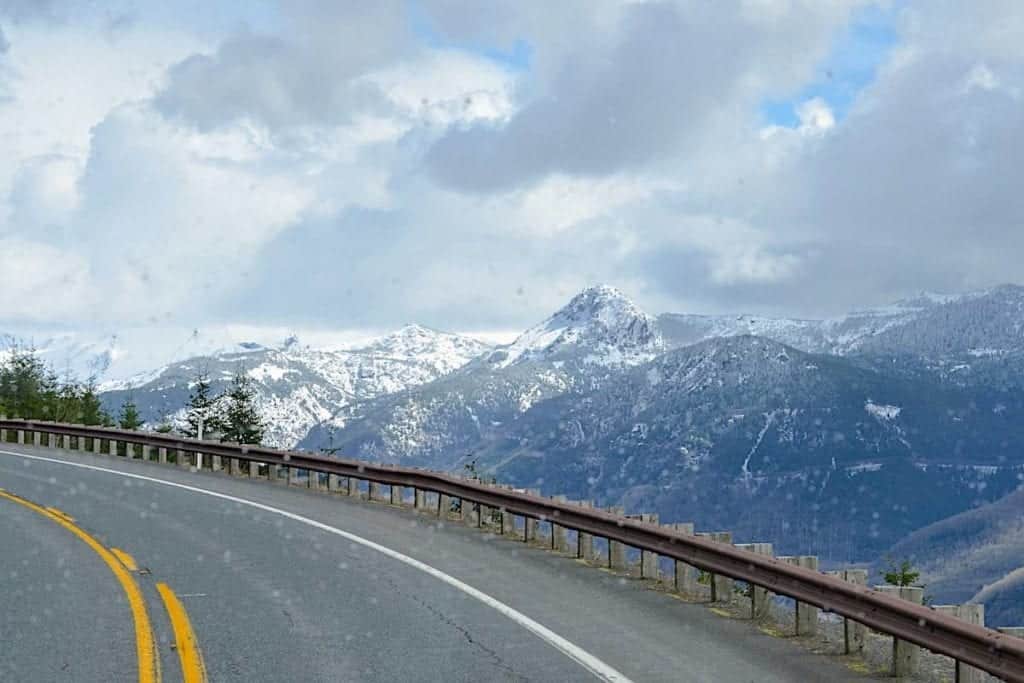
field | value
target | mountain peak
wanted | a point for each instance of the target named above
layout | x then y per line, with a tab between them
600	325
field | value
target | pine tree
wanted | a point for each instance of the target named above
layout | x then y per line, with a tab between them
129	417
90	409
242	421
202	407
23	384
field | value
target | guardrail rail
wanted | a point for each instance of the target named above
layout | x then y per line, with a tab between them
999	654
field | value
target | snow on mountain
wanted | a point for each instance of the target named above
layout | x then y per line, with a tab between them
298	386
601	321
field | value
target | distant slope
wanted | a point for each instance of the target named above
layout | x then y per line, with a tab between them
975	556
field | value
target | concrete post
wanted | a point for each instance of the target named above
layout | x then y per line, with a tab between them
584	541
21	437
112	447
161	455
721	586
853	632
215	463
530	524
81	444
51	440
396	494
444	506
333	483
559	534
806	615
760	598
649	568
65	442
905	656
685	578
419	499
508	524
375	493
353	487
972	614
235	467
616	550
97	446
313	480
3	436
254	469
37	439
470	513
183	459
486	516
293	476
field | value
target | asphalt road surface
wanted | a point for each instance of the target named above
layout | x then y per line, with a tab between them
307	586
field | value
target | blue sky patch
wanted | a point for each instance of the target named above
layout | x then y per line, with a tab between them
849	68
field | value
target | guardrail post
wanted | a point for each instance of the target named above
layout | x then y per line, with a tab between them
333	483
972	614
905	656
419	499
235	467
806	615
3	435
81	444
37	439
616	549
374	494
559	534
444	505
215	463
112	447
529	523
183	459
293	476
585	541
51	440
21	437
313	480
65	442
760	598
161	455
853	632
396	494
353	487
721	586
685	578
649	568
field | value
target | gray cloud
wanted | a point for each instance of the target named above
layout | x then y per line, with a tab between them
306	75
640	95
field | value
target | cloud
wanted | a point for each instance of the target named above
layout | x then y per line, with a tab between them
470	166
643	94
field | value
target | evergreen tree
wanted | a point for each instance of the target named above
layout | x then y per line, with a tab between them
90	409
24	384
242	421
202	406
129	417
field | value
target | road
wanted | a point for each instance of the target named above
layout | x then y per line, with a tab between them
285	584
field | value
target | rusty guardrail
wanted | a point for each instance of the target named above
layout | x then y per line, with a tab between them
999	654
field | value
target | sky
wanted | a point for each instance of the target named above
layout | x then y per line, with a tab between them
470	166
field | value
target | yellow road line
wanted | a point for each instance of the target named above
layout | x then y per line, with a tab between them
192	668
127	560
145	645
61	514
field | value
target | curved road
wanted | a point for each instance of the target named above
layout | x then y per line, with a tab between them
295	589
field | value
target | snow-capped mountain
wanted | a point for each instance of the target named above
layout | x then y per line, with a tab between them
598	333
299	386
599	325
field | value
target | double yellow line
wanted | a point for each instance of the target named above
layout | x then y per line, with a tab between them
122	564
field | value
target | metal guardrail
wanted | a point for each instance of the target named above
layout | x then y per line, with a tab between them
999	654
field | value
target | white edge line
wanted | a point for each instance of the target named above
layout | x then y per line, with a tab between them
574	652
